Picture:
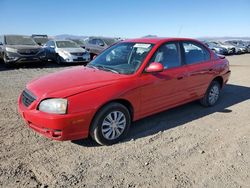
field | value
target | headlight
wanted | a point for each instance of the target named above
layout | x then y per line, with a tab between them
11	50
54	106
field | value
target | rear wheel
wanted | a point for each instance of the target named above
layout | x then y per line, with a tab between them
110	124
212	95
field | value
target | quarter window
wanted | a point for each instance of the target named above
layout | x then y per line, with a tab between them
195	53
168	55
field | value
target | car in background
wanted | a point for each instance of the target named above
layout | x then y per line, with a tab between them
243	44
230	48
40	39
126	82
15	49
247	45
95	45
216	48
240	48
66	51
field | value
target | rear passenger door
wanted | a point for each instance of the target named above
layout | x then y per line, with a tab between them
200	68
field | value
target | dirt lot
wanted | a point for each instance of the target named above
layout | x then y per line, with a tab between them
189	146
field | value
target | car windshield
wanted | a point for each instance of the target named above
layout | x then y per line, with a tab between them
66	44
79	42
110	41
41	40
19	40
122	58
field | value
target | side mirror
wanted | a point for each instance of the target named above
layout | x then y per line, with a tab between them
101	44
1	43
154	67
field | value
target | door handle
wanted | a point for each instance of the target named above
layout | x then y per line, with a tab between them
180	77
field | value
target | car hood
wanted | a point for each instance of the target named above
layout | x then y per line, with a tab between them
24	47
72	81
72	50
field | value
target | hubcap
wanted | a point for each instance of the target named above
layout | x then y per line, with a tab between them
214	94
113	125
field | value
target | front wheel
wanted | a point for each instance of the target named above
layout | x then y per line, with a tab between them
110	124
59	60
212	95
7	64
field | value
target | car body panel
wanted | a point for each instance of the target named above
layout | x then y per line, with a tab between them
88	90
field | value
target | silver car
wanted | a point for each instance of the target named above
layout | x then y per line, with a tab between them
66	51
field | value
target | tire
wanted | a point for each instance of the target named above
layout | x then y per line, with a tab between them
212	94
59	60
7	64
103	131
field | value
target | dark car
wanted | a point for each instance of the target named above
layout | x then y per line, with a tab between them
40	39
15	49
95	45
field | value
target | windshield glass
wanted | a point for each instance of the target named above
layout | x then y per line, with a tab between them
19	40
122	58
66	44
109	42
79	42
41	40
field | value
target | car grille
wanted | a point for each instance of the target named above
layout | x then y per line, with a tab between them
28	52
78	54
27	98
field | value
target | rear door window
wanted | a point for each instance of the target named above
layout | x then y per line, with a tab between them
195	53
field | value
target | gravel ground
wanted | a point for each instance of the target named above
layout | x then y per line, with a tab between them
188	146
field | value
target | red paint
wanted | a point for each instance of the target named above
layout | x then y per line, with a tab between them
154	67
87	90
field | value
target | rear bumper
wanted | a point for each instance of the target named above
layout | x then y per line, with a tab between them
57	127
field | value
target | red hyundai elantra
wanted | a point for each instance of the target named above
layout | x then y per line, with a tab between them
128	81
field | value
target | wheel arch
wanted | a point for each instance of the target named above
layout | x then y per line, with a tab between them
220	80
124	102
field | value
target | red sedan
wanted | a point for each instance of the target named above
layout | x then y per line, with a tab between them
128	81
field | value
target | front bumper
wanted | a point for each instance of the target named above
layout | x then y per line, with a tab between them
76	59
18	58
54	126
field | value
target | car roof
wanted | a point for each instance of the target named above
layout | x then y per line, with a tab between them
155	40
17	35
56	40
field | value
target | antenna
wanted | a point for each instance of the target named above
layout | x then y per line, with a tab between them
180	30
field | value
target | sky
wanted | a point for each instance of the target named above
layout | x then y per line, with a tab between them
127	18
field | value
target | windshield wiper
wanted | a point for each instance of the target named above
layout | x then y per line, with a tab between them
107	68
92	66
